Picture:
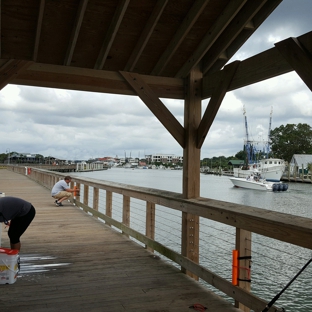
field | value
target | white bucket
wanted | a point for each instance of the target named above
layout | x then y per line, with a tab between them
9	265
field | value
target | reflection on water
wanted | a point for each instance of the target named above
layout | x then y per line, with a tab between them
274	263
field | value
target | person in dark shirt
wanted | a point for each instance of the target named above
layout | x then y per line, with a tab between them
18	214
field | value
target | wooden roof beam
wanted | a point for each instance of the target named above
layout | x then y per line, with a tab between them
211	36
11	69
156	106
214	104
248	30
111	34
83	79
146	34
233	29
75	32
179	36
298	58
262	66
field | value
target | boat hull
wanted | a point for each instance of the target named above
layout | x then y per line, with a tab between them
259	185
253	185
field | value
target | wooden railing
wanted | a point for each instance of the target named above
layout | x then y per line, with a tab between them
246	220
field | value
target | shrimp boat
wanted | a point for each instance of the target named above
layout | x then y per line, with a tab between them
271	169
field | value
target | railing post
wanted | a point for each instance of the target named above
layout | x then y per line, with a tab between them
96	198
85	194
243	245
126	211
150	222
109	204
190	239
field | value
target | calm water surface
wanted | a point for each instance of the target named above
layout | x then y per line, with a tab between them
290	259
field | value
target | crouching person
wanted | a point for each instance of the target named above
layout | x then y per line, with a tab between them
61	191
18	214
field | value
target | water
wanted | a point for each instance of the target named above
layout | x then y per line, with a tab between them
274	263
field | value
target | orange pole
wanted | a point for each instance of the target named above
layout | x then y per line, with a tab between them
75	192
235	267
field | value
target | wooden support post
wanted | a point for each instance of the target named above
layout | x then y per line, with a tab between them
150	222
191	166
96	198
126	211
243	245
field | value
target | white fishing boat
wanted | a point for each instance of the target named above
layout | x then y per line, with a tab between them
254	182
271	169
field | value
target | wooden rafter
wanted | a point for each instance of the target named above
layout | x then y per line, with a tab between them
243	36
215	102
38	30
182	32
75	32
211	36
11	69
146	34
231	32
298	58
161	112
111	34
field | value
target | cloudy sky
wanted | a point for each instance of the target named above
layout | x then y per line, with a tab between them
83	125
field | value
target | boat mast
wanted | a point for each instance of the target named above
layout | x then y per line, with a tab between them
269	133
247	144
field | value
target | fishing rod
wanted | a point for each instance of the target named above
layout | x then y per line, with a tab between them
269	305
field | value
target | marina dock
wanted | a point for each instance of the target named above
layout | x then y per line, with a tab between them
71	261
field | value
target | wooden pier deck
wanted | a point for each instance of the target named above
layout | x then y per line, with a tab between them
73	262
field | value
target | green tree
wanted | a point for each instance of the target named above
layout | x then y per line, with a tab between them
241	155
291	139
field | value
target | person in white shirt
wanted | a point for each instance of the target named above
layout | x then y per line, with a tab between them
61	191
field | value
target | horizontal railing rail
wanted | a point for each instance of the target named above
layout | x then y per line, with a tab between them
244	219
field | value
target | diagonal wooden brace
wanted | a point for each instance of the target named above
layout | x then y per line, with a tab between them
298	58
215	102
156	106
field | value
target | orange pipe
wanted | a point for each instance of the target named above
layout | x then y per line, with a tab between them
235	267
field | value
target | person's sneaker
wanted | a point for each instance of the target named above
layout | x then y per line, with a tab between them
58	204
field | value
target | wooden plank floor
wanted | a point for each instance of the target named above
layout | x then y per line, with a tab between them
72	262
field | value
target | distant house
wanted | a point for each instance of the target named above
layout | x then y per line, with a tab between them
236	163
298	162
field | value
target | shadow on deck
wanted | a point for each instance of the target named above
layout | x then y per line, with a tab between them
73	262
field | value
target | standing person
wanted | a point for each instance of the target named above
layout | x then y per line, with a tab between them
61	191
18	214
